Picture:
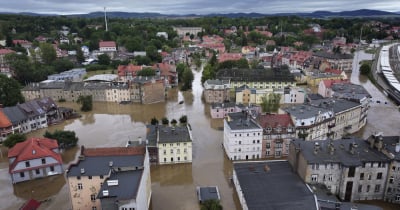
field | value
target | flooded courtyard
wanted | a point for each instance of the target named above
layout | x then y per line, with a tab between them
173	186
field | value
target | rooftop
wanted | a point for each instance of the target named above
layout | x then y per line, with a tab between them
250	75
4	121
275	120
241	121
335	56
125	189
208	193
169	134
273	185
305	111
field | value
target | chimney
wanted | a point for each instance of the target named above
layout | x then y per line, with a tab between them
110	163
316	147
352	147
82	170
397	148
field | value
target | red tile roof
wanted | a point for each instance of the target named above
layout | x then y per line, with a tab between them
113	151
32	204
34	148
4	121
274	120
329	82
6	51
124	69
333	71
229	56
107	44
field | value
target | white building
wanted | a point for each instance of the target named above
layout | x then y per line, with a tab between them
242	137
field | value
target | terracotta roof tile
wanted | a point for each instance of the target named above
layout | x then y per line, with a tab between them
273	120
4	121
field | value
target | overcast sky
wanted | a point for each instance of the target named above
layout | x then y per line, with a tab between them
64	7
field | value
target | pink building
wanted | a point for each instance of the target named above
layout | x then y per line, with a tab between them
325	86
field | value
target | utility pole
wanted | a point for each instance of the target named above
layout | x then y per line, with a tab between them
105	18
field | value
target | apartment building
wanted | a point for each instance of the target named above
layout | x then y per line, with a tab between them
216	91
174	144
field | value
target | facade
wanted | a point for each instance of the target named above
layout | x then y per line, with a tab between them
182	31
271	185
18	119
392	146
312	122
221	110
34	158
147	90
174	144
216	91
107	46
294	95
352	169
4	65
325	87
315	78
278	131
342	62
36	115
110	178
242	137
5	126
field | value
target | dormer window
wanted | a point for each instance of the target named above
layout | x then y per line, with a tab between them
33	152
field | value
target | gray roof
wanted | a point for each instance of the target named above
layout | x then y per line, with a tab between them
168	134
216	82
252	75
273	185
241	121
73	86
151	135
337	105
304	111
390	145
144	79
99	165
333	55
31	108
223	105
208	193
244	87
51	84
128	184
349	91
15	114
362	152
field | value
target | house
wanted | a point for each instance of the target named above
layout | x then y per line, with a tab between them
242	137
294	95
174	144
108	47
34	158
18	119
182	31
128	72
4	65
271	185
110	178
342	62
37	117
353	169
23	43
222	57
325	86
168	73
216	91
147	90
5	126
278	131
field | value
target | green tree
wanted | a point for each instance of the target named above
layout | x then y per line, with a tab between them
165	121
211	205
10	91
104	59
187	79
152	53
183	119
270	103
61	65
65	139
365	69
174	122
208	73
154	121
180	68
80	57
14	139
146	72
47	53
86	102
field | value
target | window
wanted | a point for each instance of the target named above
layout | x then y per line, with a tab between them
391	179
330	177
377	188
27	164
43	161
240	142
184	150
37	171
90	177
398	198
94	208
268	145
165	159
352	171
51	168
314	178
172	151
369	176
22	174
359	188
368	188
101	176
165	152
93	197
80	187
379	175
78	177
361	176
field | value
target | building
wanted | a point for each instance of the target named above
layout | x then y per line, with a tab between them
271	185
74	75
339	61
216	91
352	169
5	126
110	178
18	119
147	90
312	122
314	78
325	86
278	131
182	31
4	65
107	46
174	144
35	114
294	95
221	110
34	158
242	137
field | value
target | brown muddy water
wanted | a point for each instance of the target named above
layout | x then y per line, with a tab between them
173	186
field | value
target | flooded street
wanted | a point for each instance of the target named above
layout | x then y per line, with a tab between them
173	186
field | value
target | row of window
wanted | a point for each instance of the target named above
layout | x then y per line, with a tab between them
171	145
178	159
37	171
89	177
178	151
377	188
28	164
254	134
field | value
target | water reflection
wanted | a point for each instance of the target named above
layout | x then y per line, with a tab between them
35	189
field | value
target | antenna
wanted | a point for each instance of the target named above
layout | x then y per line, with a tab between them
105	18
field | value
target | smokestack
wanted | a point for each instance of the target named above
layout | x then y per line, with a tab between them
105	18
316	147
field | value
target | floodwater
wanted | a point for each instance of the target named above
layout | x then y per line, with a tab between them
173	186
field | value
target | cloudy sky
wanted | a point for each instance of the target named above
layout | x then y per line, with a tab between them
64	7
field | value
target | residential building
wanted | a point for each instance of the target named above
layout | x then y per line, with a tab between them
168	73
352	169
392	148
107	46
325	86
5	126
294	95
147	90
36	116
110	178
229	57
257	78
314	78
221	110
242	137
182	31
174	144
339	61
17	118
216	91
4	65
34	158
278	131
74	75
312	122
271	185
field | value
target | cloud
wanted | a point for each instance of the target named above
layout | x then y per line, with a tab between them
195	6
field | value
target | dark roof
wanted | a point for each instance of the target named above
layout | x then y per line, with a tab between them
390	143
168	134
127	187
15	114
100	165
249	75
245	87
208	193
305	111
241	120
273	185
151	135
337	105
336	56
349	91
342	152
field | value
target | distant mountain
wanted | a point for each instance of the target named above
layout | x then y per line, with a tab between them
316	14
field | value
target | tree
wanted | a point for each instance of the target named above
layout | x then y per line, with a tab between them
86	102
165	121
180	68
104	59
174	122
47	53
146	72
14	139
10	91
211	205
183	119
154	121
80	57
270	103
365	69
61	65
152	53
208	73
65	139
187	79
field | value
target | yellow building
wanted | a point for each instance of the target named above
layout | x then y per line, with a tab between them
174	144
